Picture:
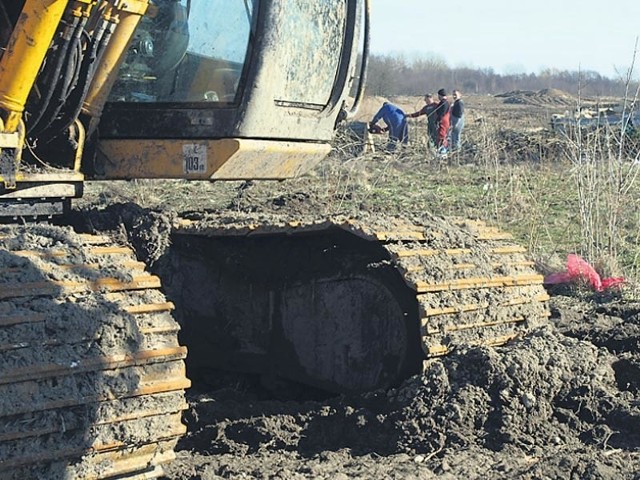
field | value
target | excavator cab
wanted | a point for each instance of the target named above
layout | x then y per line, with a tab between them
190	89
234	89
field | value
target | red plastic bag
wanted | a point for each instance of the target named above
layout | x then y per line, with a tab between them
578	269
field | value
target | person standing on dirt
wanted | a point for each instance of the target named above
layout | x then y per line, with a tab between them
428	110
457	120
396	123
443	119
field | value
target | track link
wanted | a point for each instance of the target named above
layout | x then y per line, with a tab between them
92	377
481	289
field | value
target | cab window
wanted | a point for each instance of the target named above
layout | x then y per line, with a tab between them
188	51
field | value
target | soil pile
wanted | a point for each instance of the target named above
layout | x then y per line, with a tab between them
547	406
548	97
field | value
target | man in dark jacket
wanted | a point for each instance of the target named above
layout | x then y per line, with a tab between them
428	110
457	120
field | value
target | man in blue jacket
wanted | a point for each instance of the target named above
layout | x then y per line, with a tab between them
396	123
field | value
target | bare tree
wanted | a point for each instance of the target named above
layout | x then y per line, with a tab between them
398	75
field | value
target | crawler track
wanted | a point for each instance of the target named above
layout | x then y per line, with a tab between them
452	283
482	289
91	374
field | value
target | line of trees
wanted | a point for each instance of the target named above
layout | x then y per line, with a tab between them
396	75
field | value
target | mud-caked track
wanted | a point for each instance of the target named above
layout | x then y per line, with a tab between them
352	299
92	378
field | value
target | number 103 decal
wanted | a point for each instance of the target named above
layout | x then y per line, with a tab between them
194	158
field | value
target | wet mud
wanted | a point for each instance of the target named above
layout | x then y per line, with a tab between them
561	402
555	404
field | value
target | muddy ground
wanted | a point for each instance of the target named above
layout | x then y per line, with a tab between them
560	403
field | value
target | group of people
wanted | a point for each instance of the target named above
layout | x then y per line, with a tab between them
444	121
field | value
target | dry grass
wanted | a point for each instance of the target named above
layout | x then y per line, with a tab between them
558	194
514	173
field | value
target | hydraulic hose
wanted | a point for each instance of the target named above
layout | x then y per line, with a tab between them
75	100
51	76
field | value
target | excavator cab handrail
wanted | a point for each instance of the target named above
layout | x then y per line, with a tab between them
362	80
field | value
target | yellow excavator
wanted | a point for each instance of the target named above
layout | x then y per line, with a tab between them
92	370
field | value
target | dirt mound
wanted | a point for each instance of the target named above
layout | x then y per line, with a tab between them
545	406
548	97
616	328
146	230
529	146
544	390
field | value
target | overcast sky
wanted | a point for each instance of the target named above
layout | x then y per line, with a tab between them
512	36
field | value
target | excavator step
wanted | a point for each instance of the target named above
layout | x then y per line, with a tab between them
480	282
93	364
437	350
138	266
94	251
429	252
50	287
462	308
